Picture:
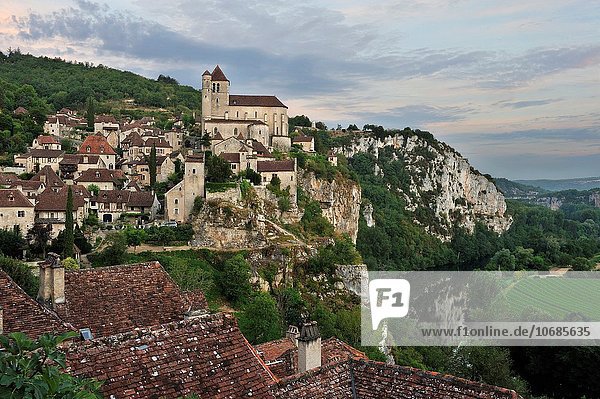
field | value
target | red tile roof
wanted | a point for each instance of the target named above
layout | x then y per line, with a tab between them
22	314
27	184
13	198
374	380
157	142
207	356
76	159
95	175
133	140
43	153
231	157
260	149
105	119
20	111
302	139
218	75
287	165
41	139
48	176
117	299
6	179
97	145
57	201
131	198
255	101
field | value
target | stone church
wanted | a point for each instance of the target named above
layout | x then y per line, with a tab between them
245	117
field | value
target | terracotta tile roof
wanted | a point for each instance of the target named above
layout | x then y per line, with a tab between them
255	101
95	175
97	145
260	149
20	111
282	355
6	179
49	177
112	196
13	198
374	380
27	184
43	153
302	139
134	140
116	299
287	165
195	157
218	136
105	119
76	159
157	142
132	185
206	73
57	201
207	356
231	157
218	75
41	139
22	314
141	199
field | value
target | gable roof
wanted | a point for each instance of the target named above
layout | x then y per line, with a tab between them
41	139
6	179
207	356
218	75
255	101
44	153
131	198
374	380
76	159
287	165
23	314
117	299
105	119
231	157
100	175
97	144
28	184
157	142
260	149
13	198
303	139
48	176
57	201
133	139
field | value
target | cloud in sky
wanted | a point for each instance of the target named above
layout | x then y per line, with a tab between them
450	66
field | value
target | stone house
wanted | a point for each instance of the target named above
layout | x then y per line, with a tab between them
105	179
49	178
285	170
15	210
111	204
30	188
51	207
72	165
96	144
46	143
37	158
174	138
307	143
179	200
139	170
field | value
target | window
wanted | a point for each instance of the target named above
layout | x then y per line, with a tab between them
21	214
233	166
255	114
88	149
215	130
218	89
176	201
194	171
226	115
266	118
214	87
176	211
235	131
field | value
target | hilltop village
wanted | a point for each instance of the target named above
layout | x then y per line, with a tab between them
141	334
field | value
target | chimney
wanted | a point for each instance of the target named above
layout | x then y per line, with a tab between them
309	347
293	334
52	281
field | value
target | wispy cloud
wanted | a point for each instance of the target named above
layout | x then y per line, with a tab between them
527	103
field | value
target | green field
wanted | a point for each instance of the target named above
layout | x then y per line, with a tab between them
555	296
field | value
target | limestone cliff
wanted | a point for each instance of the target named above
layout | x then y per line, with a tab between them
438	180
340	201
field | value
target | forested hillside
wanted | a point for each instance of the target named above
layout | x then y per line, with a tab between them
69	84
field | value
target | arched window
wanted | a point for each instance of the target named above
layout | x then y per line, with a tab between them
235	131
214	87
266	117
176	201
88	148
226	115
218	87
215	130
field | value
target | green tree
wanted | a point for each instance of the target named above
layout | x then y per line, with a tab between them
235	279
94	189
21	274
70	264
291	306
152	166
12	243
114	253
90	113
260	321
69	250
39	235
217	169
37	369
135	236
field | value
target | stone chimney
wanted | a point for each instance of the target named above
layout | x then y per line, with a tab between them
293	334
309	347
52	281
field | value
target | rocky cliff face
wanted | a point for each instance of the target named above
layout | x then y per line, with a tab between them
340	201
440	180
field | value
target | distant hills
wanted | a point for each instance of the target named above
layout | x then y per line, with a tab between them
583	183
69	84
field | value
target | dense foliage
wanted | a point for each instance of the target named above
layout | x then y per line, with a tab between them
20	274
69	84
36	369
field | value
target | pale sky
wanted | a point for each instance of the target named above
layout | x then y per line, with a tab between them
512	85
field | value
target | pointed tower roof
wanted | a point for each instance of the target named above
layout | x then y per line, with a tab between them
218	75
206	73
